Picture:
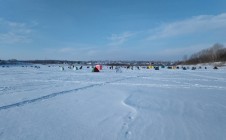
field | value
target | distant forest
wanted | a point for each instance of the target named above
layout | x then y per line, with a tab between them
216	53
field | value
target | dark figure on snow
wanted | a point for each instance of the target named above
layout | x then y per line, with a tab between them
215	68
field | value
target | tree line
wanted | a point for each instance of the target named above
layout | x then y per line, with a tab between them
216	53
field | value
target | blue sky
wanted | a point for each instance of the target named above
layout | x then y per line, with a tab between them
109	29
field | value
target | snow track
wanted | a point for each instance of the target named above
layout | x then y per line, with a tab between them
45	97
128	120
57	94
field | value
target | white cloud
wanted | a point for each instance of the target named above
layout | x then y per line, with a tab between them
195	24
118	39
14	32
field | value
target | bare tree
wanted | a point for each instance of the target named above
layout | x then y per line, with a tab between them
215	53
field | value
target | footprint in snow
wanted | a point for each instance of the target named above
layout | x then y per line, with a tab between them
125	126
128	134
131	117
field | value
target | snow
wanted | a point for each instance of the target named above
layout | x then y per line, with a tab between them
48	103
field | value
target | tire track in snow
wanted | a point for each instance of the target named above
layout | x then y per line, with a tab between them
46	97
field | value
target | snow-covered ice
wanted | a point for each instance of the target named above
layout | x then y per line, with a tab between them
48	103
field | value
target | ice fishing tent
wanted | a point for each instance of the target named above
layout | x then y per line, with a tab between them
215	68
97	68
156	68
150	67
118	70
169	67
75	68
62	68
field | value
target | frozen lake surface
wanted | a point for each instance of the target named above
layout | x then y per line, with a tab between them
47	103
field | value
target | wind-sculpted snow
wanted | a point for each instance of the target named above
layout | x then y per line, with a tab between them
47	103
